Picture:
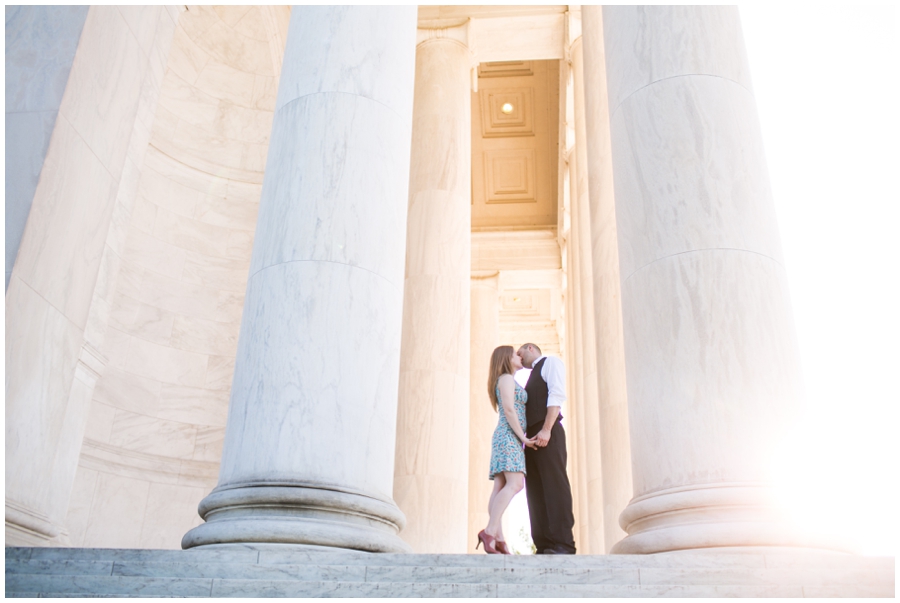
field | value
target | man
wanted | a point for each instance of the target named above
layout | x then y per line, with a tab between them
546	483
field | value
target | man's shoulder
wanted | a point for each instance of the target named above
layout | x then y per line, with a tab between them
553	360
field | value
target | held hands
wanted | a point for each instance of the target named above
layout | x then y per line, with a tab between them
530	443
541	439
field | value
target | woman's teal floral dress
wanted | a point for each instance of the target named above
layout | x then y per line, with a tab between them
507	453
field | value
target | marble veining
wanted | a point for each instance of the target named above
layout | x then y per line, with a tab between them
120	389
688	185
649	44
290	403
360	51
342	141
141	433
726	344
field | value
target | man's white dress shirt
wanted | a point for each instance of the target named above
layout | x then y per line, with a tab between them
554	373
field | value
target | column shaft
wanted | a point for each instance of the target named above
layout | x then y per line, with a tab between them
432	466
309	443
574	402
713	375
589	418
615	445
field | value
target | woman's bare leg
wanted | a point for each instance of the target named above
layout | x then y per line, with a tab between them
515	481
499	484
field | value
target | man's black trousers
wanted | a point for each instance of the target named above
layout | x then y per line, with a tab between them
549	493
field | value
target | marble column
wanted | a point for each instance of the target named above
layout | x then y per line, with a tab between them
589	417
432	466
485	336
577	459
614	438
712	368
574	424
309	444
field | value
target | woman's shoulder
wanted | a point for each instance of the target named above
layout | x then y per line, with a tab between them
505	378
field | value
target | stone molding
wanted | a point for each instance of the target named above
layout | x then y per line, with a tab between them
30	524
140	465
90	365
731	514
458	33
573	32
314	514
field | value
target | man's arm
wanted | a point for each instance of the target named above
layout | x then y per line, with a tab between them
543	436
554	373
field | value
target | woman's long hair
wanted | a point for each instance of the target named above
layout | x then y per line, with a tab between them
501	364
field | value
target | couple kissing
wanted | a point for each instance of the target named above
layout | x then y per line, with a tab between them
528	449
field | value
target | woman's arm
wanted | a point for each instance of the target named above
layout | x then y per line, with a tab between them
508	401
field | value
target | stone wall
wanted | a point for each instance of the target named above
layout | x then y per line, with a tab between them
58	297
154	437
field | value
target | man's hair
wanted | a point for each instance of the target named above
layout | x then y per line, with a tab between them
534	345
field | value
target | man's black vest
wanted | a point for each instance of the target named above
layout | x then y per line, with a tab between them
538	392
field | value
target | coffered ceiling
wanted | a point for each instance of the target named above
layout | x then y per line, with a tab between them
515	117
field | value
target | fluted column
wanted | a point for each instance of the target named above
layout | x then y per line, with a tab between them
615	447
712	366
485	336
309	444
589	417
432	467
578	457
573	335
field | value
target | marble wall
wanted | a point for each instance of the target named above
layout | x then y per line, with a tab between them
56	302
154	436
40	47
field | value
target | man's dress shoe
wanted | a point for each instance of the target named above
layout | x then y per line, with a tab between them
557	550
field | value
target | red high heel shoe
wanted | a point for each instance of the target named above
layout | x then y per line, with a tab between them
488	542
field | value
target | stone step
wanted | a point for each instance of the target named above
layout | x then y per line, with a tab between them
273	571
444	574
124	586
275	555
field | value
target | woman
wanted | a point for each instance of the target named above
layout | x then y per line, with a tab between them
507	456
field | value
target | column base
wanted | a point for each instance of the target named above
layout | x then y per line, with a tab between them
739	517
298	515
25	527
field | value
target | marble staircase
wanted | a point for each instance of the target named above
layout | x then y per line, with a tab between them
273	571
